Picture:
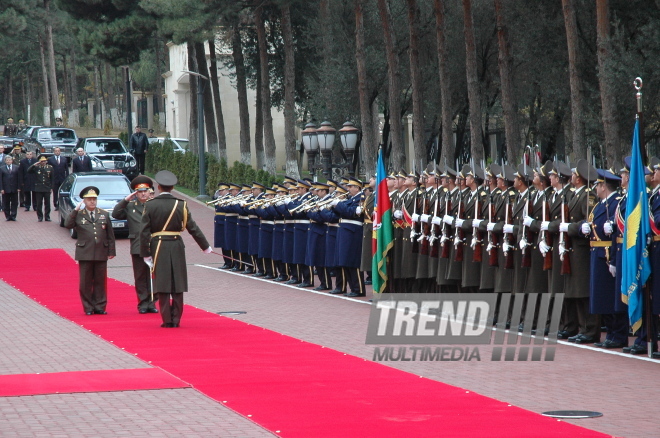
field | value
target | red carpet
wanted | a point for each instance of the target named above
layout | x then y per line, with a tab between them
88	381
291	387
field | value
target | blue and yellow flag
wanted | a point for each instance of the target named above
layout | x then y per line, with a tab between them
636	264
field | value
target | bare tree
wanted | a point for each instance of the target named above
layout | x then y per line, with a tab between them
158	47
44	72
448	148
577	88
369	142
613	146
241	89
193	136
112	98
416	83
217	102
74	112
509	106
52	73
269	136
398	158
474	94
289	94
207	101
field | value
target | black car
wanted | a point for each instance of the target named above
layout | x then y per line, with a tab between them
109	153
43	140
113	187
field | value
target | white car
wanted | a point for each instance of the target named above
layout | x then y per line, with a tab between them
180	144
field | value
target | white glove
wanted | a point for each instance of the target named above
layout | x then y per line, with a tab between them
149	261
544	225
528	221
425	218
506	247
288	201
334	202
508	229
208	250
358	210
585	228
415	217
476	223
563	227
607	227
490	226
448	219
81	206
459	222
437	220
544	248
522	244
279	203
242	203
612	270
398	214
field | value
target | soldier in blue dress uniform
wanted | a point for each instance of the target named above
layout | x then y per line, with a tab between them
219	225
331	218
254	224
243	229
231	227
266	227
300	229
278	236
316	238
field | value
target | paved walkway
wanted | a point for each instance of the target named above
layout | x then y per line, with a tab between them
34	340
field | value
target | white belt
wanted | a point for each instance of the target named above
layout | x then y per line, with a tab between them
268	222
333	225
301	221
242	217
253	216
348	221
279	222
231	214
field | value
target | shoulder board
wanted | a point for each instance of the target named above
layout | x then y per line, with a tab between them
572	189
618	198
512	193
483	193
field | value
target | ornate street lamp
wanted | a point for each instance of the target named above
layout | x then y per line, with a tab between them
310	142
350	136
326	139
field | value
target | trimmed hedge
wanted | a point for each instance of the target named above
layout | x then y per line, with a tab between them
186	168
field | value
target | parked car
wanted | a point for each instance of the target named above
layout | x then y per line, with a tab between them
113	187
180	144
44	140
109	153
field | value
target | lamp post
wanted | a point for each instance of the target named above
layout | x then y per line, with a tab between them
200	134
326	138
349	136
310	142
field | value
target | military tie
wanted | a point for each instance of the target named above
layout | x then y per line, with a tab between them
91	215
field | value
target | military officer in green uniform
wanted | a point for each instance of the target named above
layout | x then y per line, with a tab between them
95	245
42	187
130	208
164	219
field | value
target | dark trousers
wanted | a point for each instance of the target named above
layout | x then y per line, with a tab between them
93	283
10	204
171	311
140	162
142	284
42	201
577	319
354	279
306	273
617	327
28	198
324	277
56	189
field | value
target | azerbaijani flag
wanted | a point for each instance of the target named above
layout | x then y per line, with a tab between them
383	233
636	264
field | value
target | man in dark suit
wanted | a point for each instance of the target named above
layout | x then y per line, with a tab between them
81	163
164	219
131	208
95	245
60	172
27	180
138	144
10	188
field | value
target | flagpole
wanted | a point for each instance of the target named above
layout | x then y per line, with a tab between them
650	333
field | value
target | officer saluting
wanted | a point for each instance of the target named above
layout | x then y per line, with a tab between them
131	208
164	219
95	245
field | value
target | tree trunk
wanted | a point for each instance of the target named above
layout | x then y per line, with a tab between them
44	72
509	105
159	86
111	100
57	109
259	122
193	128
416	84
30	97
217	103
67	86
369	142
241	89
269	137
207	101
398	157
10	92
474	94
577	88
98	101
74	113
448	148
608	101
289	95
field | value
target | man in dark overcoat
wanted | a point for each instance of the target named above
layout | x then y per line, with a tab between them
10	188
27	180
161	245
60	172
95	244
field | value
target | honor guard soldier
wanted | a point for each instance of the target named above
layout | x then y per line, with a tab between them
95	244
280	271
331	218
367	230
130	208
300	229
21	125
44	176
231	225
254	224
221	194
161	245
10	128
266	228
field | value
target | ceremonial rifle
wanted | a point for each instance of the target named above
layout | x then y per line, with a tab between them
477	239
564	241
459	235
